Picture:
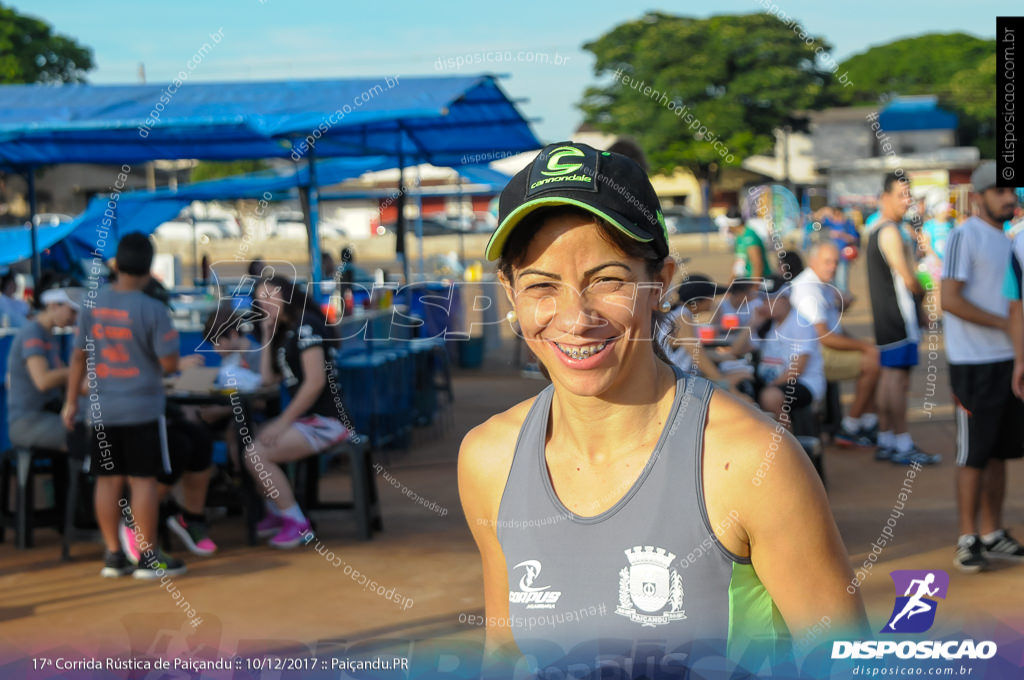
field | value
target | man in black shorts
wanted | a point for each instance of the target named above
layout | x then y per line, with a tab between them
989	418
892	285
124	344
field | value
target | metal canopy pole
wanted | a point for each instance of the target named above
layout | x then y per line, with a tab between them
400	224
30	177
313	226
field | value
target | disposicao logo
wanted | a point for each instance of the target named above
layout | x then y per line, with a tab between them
914	612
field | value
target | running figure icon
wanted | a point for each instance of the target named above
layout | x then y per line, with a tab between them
915	605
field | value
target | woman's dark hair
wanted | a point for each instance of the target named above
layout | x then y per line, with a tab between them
226	319
296	305
519	241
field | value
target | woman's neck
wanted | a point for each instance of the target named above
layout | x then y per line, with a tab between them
633	414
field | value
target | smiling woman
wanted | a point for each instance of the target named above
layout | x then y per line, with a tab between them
641	463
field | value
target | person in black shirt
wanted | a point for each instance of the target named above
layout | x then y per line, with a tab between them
300	352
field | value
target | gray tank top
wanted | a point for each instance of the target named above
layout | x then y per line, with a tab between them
647	573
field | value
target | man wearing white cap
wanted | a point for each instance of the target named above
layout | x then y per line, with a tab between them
989	419
36	374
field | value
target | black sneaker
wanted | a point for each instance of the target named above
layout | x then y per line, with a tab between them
1005	547
845	438
969	555
158	566
116	565
884	453
915	455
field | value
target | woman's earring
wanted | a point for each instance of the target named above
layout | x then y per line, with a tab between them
666	305
511	316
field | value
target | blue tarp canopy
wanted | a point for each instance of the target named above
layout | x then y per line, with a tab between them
440	120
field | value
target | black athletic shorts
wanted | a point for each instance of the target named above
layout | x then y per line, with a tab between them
190	447
132	450
989	418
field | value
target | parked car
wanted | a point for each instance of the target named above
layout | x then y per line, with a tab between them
431	227
478	223
292	225
51	219
182	230
683	220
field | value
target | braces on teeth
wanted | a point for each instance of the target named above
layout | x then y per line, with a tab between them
577	353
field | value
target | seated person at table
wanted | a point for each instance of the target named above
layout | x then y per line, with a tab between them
36	374
741	298
301	353
124	346
227	332
821	305
678	336
791	373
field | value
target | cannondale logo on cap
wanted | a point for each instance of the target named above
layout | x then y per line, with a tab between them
556	167
564	168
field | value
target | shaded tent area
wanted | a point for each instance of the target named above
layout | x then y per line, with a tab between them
410	120
143	211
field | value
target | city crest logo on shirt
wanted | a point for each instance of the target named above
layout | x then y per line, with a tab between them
648	585
533	596
914	610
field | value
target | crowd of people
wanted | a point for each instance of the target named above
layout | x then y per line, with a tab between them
926	269
153	458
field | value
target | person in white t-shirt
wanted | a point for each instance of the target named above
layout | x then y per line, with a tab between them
790	373
989	417
821	304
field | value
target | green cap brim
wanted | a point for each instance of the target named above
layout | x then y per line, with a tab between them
504	230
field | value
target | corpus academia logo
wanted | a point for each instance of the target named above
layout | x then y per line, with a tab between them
914	610
533	596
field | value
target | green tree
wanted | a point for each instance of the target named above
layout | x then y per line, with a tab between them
30	52
959	68
738	76
925	64
216	169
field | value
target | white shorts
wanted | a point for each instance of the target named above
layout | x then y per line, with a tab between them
320	431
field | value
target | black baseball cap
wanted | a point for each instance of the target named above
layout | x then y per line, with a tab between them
609	185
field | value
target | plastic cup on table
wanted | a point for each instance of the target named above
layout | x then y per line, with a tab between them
706	333
730	321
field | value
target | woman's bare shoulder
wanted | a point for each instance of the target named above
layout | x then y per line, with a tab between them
494	440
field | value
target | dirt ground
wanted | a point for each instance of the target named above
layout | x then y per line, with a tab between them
256	598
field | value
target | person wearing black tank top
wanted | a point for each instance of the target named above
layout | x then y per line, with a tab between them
629	503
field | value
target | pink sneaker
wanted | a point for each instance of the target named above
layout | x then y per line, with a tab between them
269	525
292	533
195	535
128	544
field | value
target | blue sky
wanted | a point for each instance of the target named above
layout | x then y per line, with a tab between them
282	39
